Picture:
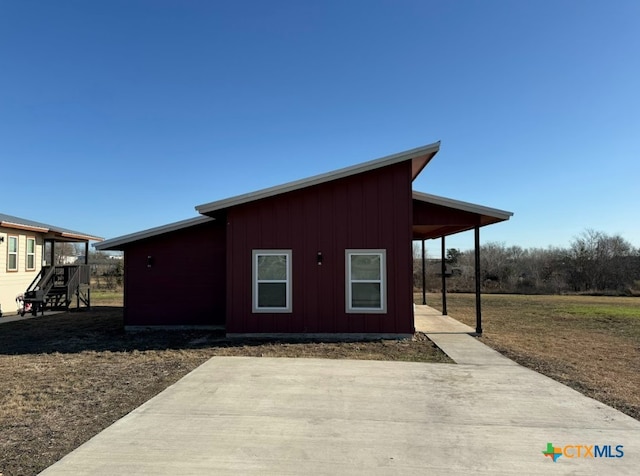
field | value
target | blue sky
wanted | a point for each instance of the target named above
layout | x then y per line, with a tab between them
117	116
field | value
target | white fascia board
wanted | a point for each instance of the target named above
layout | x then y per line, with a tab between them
114	243
464	206
318	179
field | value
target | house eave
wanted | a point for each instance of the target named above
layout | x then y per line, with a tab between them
119	242
80	237
48	230
20	226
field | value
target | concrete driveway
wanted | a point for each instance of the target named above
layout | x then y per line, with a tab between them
237	415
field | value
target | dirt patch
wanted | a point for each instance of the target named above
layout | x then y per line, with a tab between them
67	377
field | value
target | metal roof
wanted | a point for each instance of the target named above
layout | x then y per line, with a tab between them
117	243
460	205
9	221
420	157
427	226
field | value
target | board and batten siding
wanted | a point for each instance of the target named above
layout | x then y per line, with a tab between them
184	281
372	210
13	283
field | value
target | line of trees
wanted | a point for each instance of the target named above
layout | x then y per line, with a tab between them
594	263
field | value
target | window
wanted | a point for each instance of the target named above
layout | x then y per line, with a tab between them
31	254
12	254
272	281
366	281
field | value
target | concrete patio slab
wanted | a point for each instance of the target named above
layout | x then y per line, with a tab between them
241	415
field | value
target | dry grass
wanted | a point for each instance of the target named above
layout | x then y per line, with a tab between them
590	343
68	376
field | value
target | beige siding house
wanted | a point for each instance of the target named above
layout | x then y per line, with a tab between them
25	248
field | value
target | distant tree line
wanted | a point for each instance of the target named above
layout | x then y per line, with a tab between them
594	263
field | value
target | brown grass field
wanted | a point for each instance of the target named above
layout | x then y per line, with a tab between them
590	343
68	376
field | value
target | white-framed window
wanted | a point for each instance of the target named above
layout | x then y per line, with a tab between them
271	280
366	281
12	253
30	264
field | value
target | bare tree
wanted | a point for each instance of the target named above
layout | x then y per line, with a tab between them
601	262
594	262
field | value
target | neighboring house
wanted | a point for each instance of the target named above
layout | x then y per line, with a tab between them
26	248
327	255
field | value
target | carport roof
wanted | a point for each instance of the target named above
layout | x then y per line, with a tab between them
435	216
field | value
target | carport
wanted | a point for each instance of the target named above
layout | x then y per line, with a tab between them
438	217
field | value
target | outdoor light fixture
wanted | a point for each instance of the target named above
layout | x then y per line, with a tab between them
319	258
1	239
149	261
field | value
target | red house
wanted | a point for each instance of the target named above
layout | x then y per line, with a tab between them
324	256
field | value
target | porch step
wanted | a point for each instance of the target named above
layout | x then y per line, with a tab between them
55	286
57	290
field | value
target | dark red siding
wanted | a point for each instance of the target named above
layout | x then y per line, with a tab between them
185	284
372	210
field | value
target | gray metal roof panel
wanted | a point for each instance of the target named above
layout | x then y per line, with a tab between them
9	220
118	242
428	150
460	205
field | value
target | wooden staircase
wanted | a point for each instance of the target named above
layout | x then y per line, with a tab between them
55	286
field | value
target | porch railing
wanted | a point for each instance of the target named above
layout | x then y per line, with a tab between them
50	277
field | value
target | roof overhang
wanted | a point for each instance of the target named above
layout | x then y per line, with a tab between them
419	158
21	226
435	216
120	242
51	232
67	236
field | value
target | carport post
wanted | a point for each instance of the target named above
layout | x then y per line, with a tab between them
478	304
443	268
424	277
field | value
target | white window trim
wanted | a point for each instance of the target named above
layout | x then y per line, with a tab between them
27	254
255	282
383	281
16	252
